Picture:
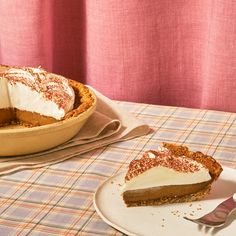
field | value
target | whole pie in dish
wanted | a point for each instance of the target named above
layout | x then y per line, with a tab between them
171	174
34	97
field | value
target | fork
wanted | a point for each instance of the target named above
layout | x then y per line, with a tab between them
218	216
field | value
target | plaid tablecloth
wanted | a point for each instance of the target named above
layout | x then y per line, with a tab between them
58	199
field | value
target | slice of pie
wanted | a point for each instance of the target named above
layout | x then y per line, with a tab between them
171	174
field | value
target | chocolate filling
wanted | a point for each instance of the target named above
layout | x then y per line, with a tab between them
155	193
26	118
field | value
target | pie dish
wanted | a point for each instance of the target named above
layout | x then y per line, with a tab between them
25	131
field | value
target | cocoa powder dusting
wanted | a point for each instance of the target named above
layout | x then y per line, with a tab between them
164	159
54	88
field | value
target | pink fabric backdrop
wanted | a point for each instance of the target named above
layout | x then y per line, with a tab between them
180	52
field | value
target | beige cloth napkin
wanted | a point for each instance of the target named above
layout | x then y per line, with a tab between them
108	124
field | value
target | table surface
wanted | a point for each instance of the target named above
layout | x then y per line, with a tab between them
58	199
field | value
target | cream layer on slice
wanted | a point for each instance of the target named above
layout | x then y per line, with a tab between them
163	176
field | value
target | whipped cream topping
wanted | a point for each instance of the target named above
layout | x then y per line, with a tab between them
35	90
156	169
163	176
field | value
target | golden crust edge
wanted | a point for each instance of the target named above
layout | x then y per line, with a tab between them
84	99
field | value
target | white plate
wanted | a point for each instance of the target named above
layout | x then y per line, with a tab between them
166	220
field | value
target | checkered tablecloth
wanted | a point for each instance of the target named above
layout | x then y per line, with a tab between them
58	199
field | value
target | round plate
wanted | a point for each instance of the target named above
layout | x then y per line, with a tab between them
164	220
18	140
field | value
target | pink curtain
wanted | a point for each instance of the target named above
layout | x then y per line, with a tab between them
180	52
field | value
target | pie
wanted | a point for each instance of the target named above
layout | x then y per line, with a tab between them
33	97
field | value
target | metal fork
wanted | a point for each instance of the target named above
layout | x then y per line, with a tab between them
218	216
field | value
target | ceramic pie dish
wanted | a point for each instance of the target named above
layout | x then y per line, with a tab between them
18	140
